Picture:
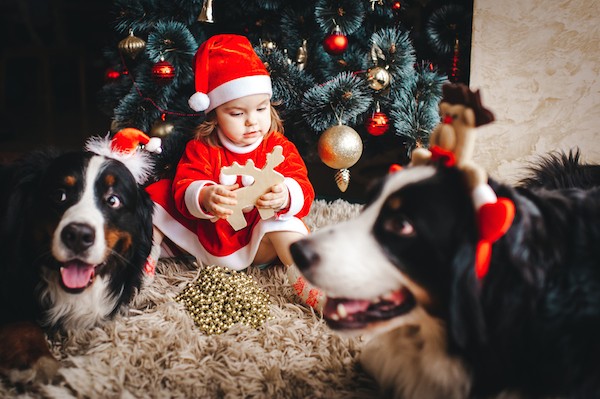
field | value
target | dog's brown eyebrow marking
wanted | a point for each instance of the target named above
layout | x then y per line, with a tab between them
110	180
70	181
394	202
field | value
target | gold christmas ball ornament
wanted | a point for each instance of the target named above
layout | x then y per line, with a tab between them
379	78
132	45
161	128
340	147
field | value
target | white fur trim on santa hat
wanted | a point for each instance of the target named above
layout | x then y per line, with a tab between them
139	163
238	88
199	102
483	194
154	145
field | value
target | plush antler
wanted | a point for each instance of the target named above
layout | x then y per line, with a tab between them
452	142
248	195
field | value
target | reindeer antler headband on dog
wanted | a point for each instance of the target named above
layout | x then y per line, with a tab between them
452	143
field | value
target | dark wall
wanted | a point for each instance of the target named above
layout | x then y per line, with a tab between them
51	68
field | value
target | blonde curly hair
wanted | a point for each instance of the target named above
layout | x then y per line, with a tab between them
207	130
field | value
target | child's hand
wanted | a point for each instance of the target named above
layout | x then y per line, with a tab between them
214	196
276	198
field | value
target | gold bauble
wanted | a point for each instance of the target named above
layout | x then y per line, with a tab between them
132	45
379	78
161	128
340	147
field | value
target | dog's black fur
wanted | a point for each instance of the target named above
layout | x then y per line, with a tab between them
38	192
529	327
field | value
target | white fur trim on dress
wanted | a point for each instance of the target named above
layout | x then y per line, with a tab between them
139	163
192	199
238	260
296	198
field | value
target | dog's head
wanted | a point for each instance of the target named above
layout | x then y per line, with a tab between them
77	230
91	213
399	257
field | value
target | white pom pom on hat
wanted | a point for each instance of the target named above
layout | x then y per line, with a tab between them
227	68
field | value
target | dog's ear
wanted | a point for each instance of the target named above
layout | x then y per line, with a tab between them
22	180
466	324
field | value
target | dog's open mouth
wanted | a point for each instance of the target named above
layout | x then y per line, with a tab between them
77	275
346	314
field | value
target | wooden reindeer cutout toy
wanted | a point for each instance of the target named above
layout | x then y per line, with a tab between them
248	195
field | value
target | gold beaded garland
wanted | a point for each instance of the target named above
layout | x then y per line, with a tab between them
220	298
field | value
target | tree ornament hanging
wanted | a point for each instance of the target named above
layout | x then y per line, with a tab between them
161	128
378	123
302	55
340	147
336	42
206	14
163	72
379	78
111	75
132	45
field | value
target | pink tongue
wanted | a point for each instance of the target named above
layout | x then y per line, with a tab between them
76	274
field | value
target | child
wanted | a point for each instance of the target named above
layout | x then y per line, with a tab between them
233	88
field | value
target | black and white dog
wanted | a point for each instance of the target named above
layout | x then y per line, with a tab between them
403	273
75	234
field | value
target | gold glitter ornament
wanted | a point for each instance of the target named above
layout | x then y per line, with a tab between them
340	147
215	303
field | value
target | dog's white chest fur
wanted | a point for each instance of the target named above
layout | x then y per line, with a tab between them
412	362
76	311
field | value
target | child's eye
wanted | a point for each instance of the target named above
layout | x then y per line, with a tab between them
261	109
236	114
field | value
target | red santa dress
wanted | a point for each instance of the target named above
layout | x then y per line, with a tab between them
179	216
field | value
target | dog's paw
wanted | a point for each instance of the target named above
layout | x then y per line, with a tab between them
24	355
42	371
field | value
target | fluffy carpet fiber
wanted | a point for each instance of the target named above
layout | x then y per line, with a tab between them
154	350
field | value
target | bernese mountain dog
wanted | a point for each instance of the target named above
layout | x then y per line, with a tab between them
402	274
75	234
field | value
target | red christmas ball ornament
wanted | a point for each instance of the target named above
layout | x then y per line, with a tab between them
396	6
111	75
336	42
163	72
377	124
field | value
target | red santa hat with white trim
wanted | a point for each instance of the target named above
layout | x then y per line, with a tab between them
227	68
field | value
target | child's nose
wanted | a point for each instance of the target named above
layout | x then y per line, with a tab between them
251	120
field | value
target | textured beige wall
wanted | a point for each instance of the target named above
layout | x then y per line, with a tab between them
537	64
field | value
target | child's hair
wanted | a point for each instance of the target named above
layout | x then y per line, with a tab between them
206	131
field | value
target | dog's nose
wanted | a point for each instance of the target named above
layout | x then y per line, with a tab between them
304	255
78	236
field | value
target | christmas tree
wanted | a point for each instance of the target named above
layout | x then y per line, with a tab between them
352	79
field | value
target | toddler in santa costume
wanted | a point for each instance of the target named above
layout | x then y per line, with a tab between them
233	88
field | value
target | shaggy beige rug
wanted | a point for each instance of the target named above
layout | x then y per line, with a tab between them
154	350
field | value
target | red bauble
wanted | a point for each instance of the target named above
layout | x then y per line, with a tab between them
336	42
111	75
377	124
163	72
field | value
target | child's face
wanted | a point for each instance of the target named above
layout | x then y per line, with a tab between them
245	120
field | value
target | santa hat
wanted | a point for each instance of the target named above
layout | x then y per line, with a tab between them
125	146
227	68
